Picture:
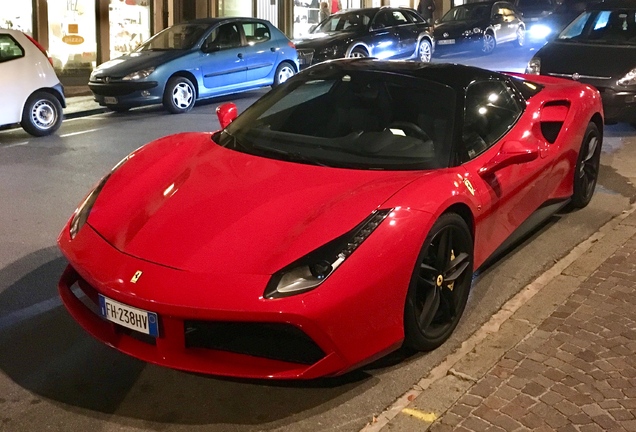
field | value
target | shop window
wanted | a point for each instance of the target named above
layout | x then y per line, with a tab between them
129	25
72	36
240	8
17	15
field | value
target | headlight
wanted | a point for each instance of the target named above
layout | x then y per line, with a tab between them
628	79
534	66
467	33
84	209
139	74
312	269
539	31
476	30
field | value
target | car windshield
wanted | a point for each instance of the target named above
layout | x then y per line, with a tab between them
603	27
350	119
465	13
535	4
348	21
178	37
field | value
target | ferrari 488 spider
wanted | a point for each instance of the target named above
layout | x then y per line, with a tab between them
340	216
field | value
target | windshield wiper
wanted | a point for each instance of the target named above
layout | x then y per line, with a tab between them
290	156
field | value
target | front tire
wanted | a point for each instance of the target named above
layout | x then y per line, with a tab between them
424	51
42	114
179	96
488	43
587	167
284	71
439	285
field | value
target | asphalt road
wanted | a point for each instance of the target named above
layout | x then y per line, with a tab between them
54	376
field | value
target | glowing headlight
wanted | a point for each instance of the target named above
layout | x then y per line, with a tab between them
534	66
139	74
84	209
628	79
312	269
539	31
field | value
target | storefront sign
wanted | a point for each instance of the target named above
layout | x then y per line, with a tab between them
73	40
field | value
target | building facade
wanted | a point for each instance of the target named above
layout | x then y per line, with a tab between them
81	34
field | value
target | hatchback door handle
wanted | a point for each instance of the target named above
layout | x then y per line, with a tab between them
273	49
240	55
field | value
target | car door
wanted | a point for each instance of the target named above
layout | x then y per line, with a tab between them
407	32
222	61
261	51
385	38
497	19
511	194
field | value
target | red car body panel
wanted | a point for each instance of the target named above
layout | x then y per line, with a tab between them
208	226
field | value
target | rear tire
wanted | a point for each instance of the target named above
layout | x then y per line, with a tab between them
284	71
440	284
587	167
42	114
179	96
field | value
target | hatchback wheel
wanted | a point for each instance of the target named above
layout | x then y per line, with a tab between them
179	96
42	114
284	71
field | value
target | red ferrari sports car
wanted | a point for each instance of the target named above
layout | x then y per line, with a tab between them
340	216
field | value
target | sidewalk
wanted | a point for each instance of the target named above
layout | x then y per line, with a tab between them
79	102
559	356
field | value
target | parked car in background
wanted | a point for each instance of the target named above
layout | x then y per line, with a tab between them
535	10
32	95
481	26
196	60
548	27
384	32
597	48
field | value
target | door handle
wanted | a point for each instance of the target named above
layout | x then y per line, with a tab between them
240	55
273	49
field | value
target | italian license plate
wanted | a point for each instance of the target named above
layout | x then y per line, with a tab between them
135	319
446	42
110	100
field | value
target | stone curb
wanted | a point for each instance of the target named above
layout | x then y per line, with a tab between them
517	320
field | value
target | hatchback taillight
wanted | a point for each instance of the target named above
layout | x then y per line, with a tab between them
40	47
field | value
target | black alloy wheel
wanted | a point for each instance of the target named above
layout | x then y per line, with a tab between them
440	284
587	167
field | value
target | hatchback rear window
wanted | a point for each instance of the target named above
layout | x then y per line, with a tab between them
10	49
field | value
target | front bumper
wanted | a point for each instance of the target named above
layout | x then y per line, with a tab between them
342	329
618	105
126	94
461	43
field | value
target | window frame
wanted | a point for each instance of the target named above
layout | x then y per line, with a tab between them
17	44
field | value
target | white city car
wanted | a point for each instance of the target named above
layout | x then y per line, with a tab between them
30	92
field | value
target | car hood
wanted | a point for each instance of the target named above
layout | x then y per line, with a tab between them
587	59
190	204
456	28
319	40
136	61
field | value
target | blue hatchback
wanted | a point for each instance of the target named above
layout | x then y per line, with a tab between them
196	60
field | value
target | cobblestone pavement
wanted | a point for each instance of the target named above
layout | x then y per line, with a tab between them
559	364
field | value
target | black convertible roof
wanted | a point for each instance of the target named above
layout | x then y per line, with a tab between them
452	75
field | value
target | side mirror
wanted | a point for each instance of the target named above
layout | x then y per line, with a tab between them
226	114
511	153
